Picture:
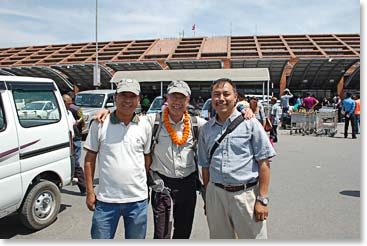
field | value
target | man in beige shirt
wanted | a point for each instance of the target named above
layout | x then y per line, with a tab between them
173	161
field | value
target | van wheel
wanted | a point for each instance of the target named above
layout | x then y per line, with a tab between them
41	205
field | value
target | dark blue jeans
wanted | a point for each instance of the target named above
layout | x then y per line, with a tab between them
107	215
78	152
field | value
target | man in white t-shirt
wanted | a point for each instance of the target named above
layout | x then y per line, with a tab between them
122	144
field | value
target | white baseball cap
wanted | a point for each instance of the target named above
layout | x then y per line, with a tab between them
129	85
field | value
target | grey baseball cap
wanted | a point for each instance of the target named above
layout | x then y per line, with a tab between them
129	85
179	86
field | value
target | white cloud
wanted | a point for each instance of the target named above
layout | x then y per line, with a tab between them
32	22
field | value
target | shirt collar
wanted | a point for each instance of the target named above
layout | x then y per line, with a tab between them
115	120
181	121
231	118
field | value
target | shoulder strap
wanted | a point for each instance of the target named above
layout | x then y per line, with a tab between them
229	129
194	127
195	136
156	130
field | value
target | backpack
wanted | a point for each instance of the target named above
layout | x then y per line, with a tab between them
153	180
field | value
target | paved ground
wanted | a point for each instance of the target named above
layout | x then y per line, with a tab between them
314	192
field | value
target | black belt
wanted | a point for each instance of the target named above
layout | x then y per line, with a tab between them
231	188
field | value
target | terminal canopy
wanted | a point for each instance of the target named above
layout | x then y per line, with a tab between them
238	74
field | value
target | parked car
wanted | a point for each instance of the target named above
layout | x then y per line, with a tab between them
36	110
20	103
156	105
92	101
260	98
35	153
204	110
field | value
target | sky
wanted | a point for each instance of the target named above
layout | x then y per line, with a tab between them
41	22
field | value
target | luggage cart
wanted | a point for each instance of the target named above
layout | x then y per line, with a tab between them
327	122
298	121
310	126
303	122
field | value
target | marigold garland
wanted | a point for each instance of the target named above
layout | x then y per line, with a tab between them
172	132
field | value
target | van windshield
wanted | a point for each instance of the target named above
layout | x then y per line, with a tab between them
89	100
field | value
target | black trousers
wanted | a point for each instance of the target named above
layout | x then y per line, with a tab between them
274	133
79	173
340	116
183	193
350	119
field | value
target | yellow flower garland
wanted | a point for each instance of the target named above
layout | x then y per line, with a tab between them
172	132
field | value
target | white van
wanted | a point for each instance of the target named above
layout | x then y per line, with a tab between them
35	152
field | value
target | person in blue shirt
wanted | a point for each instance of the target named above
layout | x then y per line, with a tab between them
236	178
349	105
275	114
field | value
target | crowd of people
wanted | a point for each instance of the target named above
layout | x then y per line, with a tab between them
155	158
348	109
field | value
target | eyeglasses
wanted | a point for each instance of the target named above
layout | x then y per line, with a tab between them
177	98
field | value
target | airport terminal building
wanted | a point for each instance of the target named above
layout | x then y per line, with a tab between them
323	64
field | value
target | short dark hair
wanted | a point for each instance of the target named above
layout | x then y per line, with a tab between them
71	94
241	95
349	94
254	98
222	81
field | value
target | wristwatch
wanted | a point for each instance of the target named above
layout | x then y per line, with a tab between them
263	200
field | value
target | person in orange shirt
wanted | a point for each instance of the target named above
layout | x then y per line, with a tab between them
357	114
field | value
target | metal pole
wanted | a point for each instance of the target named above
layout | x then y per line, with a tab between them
268	98
162	89
96	71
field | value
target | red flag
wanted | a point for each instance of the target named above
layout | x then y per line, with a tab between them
193	27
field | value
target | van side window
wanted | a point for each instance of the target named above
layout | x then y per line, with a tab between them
35	108
2	117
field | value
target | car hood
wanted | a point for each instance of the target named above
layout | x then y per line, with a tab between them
88	110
